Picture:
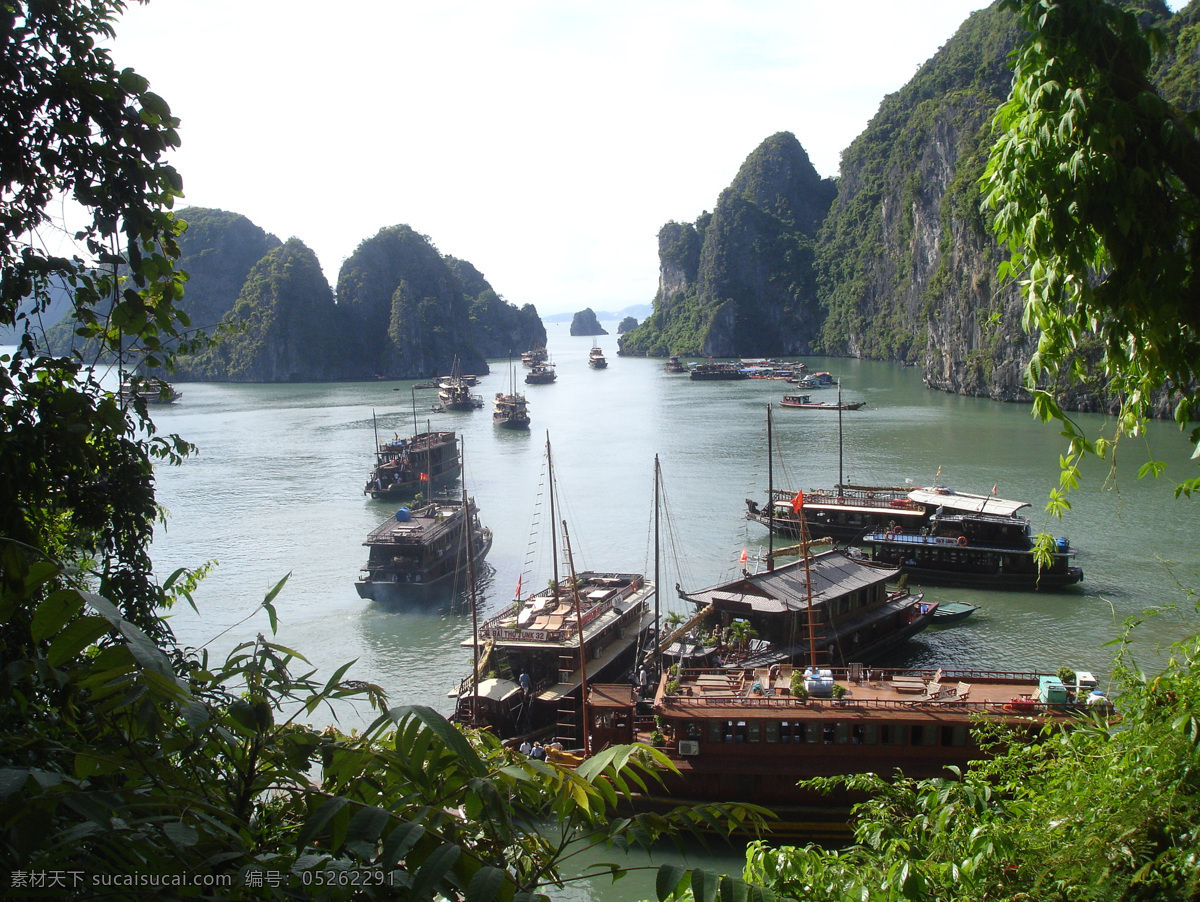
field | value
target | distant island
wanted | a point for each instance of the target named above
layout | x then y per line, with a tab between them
585	323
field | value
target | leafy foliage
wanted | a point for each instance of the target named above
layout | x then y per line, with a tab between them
1094	187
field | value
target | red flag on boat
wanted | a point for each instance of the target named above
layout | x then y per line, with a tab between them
424	477
518	595
742	560
798	502
996	486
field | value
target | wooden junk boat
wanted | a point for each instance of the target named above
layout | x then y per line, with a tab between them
542	373
151	390
829	607
532	661
421	549
750	734
406	466
596	359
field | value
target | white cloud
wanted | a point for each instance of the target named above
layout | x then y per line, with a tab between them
545	141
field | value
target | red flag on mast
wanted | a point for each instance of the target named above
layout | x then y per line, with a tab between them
518	594
798	502
742	560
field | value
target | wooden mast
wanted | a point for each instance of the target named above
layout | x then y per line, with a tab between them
583	684
474	611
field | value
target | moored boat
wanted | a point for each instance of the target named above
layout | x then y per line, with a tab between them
675	365
717	371
749	734
829	608
534	659
983	550
422	548
953	612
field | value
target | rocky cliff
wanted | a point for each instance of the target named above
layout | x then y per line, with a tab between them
741	281
403	310
585	323
282	328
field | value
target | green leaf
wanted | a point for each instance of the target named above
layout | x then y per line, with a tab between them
671	881
54	611
434	870
319	819
485	884
75	637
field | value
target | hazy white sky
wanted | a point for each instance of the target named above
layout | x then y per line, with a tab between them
544	141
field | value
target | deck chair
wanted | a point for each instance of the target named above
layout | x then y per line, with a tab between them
962	691
935	691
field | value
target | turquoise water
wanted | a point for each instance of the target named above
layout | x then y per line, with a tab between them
276	489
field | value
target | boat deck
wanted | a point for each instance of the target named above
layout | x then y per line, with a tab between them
735	693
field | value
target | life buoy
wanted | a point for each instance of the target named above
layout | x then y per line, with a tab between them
962	540
870	494
898	531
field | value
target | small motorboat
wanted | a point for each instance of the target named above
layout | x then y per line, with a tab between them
952	612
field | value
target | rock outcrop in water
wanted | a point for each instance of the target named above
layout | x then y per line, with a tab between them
585	323
403	310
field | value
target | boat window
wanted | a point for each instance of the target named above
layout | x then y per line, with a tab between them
827	733
962	736
691	729
771	730
813	733
871	734
753	731
896	735
924	734
716	731
841	733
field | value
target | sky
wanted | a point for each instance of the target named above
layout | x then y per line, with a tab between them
544	141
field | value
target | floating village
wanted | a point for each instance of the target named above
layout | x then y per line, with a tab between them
773	677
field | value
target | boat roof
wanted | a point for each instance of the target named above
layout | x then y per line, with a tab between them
940	496
422	524
834	574
945	695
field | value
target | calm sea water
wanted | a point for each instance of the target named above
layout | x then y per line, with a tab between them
276	489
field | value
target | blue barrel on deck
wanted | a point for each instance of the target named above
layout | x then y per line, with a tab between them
403	515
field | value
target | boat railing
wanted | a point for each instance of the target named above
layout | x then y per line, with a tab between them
881	499
1016	705
495	628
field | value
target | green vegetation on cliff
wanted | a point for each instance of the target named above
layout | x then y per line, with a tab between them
740	281
282	328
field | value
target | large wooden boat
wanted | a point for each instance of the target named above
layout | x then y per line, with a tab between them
510	411
534	356
418	463
989	551
749	734
454	391
542	374
422	548
717	371
534	659
828	608
675	365
596	359
152	391
847	513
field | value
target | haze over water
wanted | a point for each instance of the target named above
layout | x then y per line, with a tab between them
276	488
